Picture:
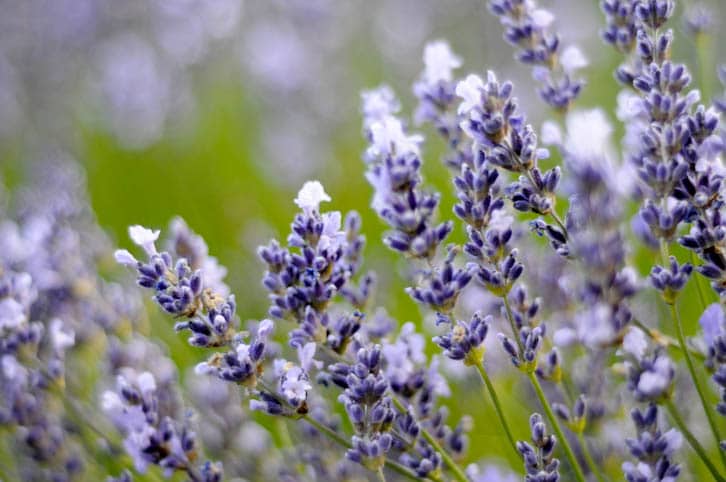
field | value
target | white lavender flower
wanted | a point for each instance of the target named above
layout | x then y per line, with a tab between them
310	197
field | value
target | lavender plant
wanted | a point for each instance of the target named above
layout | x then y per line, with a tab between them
326	385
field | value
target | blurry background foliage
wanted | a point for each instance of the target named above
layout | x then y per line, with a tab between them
219	118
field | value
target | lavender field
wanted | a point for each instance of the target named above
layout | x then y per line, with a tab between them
319	240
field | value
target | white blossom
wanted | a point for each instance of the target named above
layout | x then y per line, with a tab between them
378	104
439	61
310	196
635	343
542	18
144	237
572	59
470	90
389	137
61	337
12	314
295	384
713	322
654	382
125	258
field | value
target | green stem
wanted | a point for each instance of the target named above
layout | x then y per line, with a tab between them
381	476
513	325
497	406
556	426
340	440
699	281
692	370
664	255
665	340
588	458
284	433
553	214
702	55
559	222
450	463
193	473
327	431
692	440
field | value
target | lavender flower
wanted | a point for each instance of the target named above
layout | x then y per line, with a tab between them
465	340
652	448
367	407
57	310
394	173
435	91
503	140
243	364
527	27
150	437
713	323
327	258
650	372
539	461
620	30
672	280
597	185
442	288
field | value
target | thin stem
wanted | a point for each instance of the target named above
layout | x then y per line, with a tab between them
665	340
497	406
701	294
552	212
193	473
567	390
699	389
556	426
512	324
559	222
450	463
381	475
588	458
285	438
664	255
702	57
327	431
692	440
340	440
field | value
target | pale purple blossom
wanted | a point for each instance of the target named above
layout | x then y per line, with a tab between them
310	196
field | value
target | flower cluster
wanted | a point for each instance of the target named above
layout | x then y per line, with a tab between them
528	28
502	138
367	406
652	448
152	437
650	373
394	171
539	461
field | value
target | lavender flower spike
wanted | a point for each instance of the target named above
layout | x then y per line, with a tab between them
527	27
150	436
394	171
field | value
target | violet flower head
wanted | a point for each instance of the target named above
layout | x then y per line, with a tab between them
435	91
650	373
652	448
465	340
394	165
540	463
150	436
528	28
